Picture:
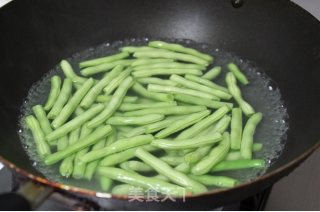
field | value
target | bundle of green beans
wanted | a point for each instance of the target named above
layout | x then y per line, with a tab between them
183	128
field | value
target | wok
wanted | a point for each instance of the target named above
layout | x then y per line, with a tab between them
277	35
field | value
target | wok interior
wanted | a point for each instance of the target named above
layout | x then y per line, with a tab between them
280	37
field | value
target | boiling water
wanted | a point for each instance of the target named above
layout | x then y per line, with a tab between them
261	93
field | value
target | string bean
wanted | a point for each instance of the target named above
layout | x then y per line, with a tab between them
75	122
187	143
72	104
62	99
42	147
203	124
247	136
139	180
113	105
42	118
216	155
176	90
238	74
182	124
138	88
103	67
164	169
180	48
107	59
236	128
69	72
196	86
165	71
54	92
119	145
96	135
236	93
212	73
90	97
135	120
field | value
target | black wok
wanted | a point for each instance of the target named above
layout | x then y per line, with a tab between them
277	35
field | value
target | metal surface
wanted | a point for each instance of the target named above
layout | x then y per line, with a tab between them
276	34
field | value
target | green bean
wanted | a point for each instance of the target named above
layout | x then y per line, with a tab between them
154	127
155	80
135	132
180	48
79	167
199	87
236	128
161	177
222	125
203	124
205	82
238	74
139	180
112	137
147	61
247	136
236	93
176	90
173	65
42	118
107	59
105	183
212	73
134	165
138	88
151	128
69	72
165	71
216	155
123	189
183	167
163	168
75	123
96	135
117	81
135	120
113	105
137	106
103	67
62	99
66	166
124	128
170	55
239	164
92	166
125	155
182	124
119	145
72	104
62	143
197	155
219	181
42	147
256	147
201	101
172	110
236	155
133	49
187	143
208	130
89	98
54	92
126	99
172	160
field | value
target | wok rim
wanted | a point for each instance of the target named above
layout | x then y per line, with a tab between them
69	188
